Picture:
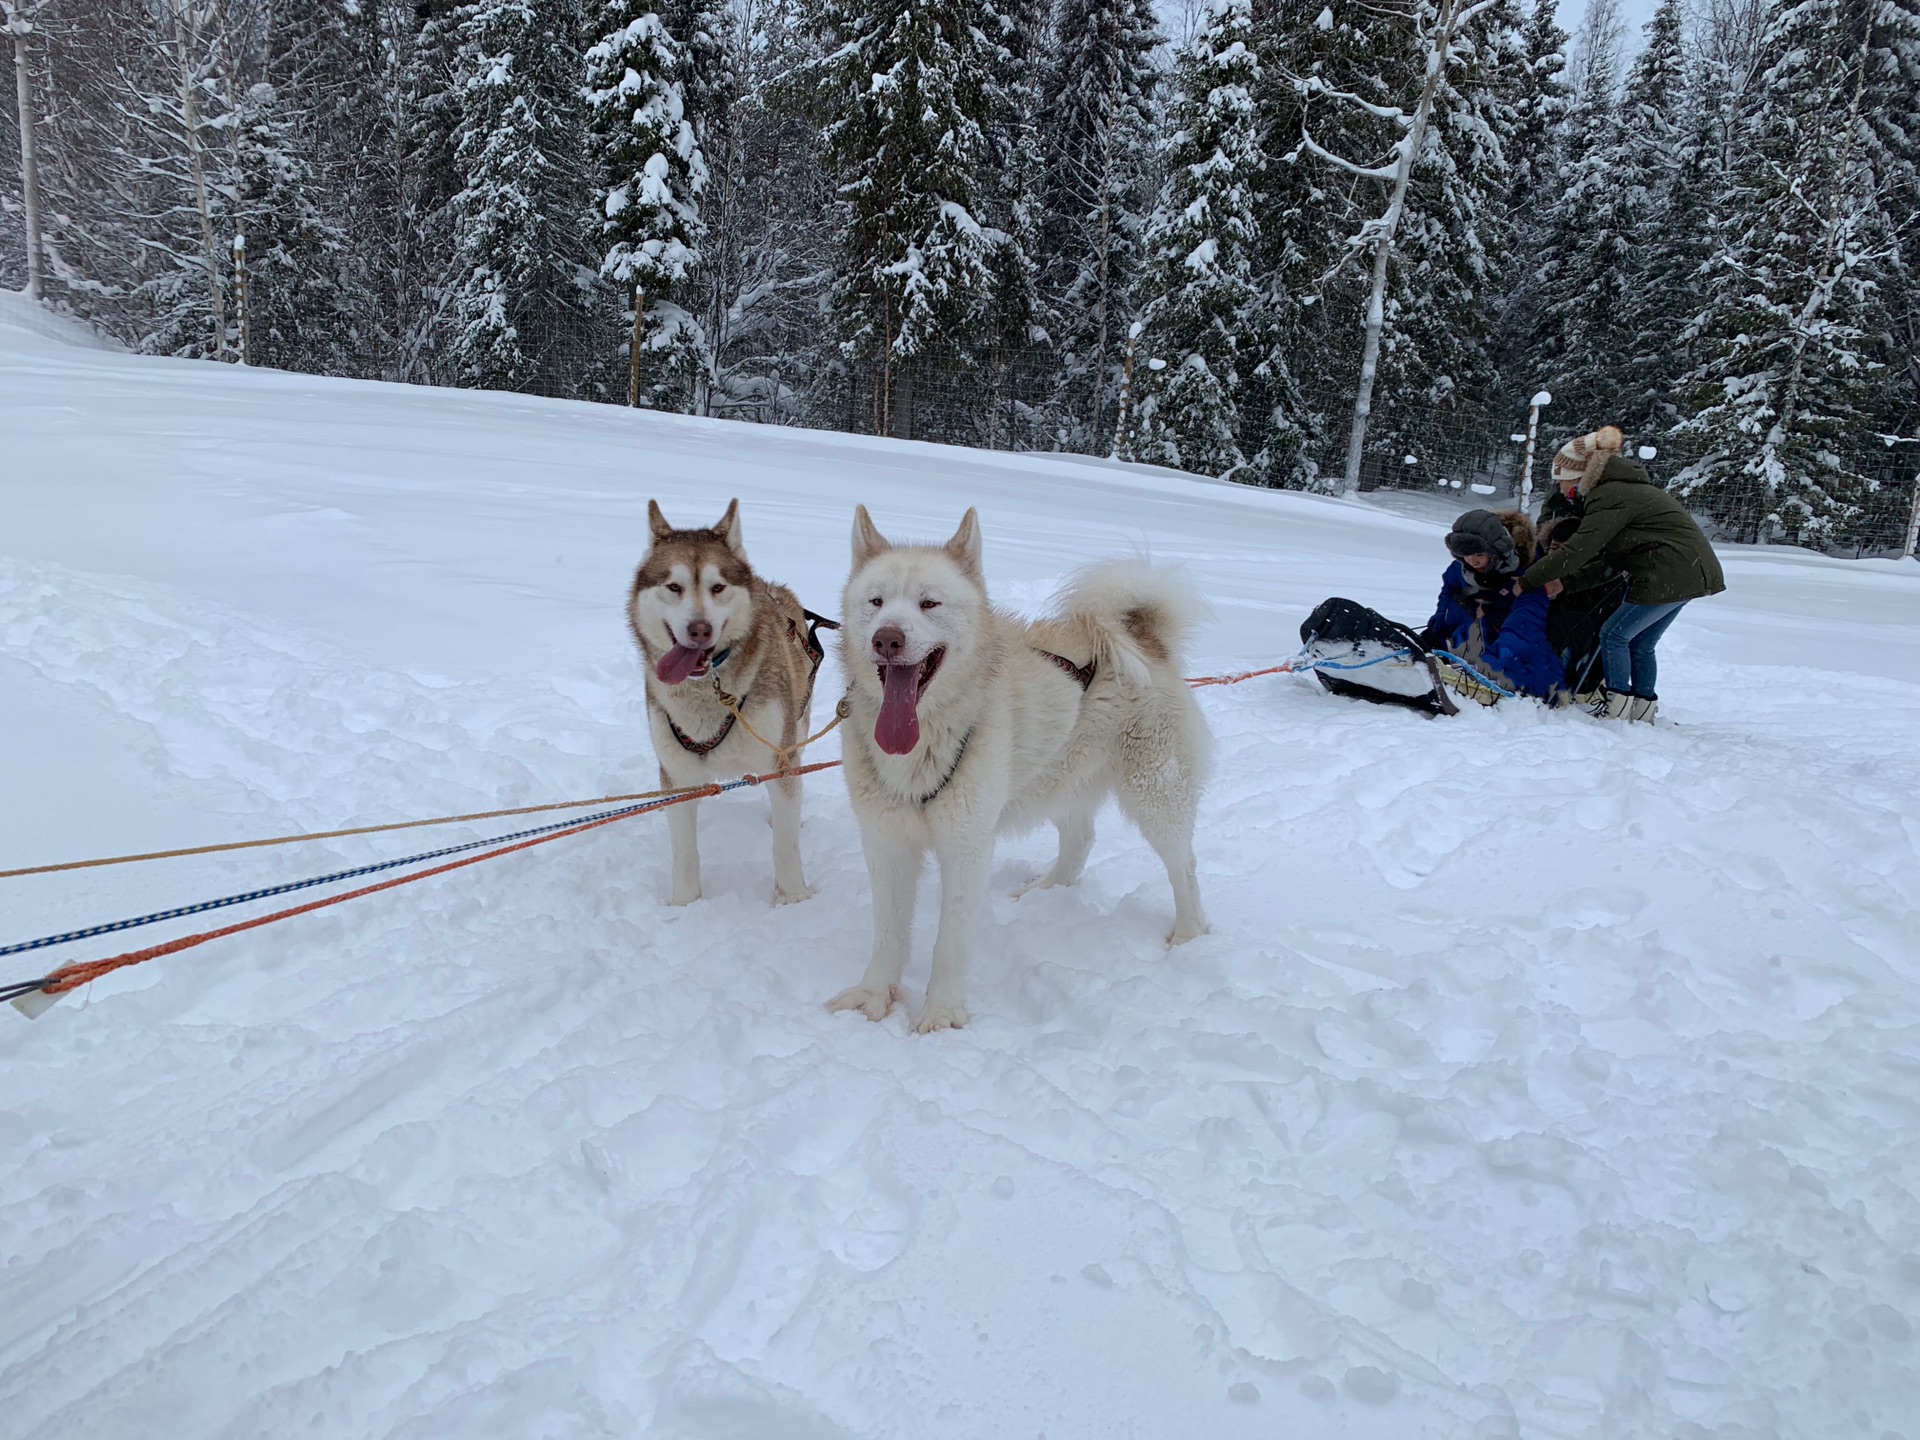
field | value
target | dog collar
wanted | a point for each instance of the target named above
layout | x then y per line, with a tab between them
952	770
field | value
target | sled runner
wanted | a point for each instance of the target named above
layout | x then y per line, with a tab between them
1361	654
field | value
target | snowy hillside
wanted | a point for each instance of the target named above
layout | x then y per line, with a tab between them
1540	1079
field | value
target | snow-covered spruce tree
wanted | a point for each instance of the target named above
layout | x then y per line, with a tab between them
1096	125
1201	322
1793	376
301	309
1654	162
1584	260
1541	98
906	86
1010	332
428	283
320	200
654	77
521	314
1890	137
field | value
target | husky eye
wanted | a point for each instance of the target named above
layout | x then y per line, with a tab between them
875	602
672	588
717	589
929	604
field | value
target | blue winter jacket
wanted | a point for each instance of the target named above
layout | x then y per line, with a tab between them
1515	631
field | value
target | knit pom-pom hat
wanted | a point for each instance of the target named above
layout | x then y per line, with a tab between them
1582	458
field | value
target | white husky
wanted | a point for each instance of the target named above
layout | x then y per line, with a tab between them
966	722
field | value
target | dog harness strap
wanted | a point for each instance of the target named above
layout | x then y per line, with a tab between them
816	652
701	748
952	770
1082	673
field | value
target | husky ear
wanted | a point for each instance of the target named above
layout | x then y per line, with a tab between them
964	547
867	541
656	522
728	529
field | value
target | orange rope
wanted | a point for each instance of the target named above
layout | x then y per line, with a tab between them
71	977
1201	681
338	834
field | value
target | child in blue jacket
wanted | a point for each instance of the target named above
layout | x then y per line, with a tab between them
1480	620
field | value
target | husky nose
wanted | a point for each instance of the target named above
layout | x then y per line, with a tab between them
888	642
699	634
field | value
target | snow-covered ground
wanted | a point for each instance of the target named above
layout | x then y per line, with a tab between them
1541	1078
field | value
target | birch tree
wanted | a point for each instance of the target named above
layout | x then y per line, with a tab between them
1440	26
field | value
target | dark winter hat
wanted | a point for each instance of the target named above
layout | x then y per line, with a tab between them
1479	532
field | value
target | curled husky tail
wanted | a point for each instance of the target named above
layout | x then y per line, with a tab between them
1141	614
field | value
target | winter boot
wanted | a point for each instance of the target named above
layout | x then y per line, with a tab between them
1610	705
1644	707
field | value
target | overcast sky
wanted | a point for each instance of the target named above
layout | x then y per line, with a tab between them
1633	13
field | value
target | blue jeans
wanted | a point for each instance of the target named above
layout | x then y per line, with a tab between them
1626	646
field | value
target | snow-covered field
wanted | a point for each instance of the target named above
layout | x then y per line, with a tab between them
1541	1078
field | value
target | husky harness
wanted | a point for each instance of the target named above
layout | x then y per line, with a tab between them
704	748
1081	673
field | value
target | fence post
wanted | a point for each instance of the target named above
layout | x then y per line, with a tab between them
240	290
633	347
1913	521
1539	402
1126	394
20	27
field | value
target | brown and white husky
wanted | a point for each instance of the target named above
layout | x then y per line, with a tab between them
709	628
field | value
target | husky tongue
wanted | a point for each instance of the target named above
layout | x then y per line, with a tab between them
897	730
678	663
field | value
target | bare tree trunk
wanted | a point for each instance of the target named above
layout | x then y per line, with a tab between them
1913	520
1102	308
1445	25
183	39
20	28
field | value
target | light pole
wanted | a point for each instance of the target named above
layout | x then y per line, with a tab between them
240	290
1126	392
633	346
1539	402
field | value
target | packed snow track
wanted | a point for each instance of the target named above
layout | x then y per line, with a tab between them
1541	1078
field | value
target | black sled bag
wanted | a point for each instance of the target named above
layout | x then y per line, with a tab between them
1361	654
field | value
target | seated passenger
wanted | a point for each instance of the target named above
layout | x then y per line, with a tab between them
1480	621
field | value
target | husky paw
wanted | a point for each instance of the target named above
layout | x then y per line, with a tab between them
940	1015
1048	881
1183	931
784	896
874	1004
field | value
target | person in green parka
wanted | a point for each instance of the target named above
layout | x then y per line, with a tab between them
1637	528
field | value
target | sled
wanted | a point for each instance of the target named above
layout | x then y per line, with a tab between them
1362	655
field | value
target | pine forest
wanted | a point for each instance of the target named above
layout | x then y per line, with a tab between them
1315	244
